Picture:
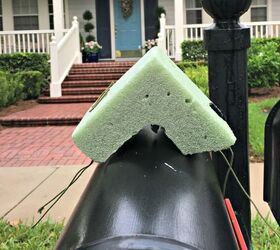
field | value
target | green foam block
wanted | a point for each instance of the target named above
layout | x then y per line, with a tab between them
154	91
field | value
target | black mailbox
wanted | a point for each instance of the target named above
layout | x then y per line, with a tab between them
272	161
150	196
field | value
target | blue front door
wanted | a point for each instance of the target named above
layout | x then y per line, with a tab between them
127	30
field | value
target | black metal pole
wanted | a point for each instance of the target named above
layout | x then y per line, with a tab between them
227	42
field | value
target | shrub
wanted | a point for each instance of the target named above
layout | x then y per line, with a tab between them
19	62
4	89
193	51
263	41
31	82
199	76
187	64
10	89
263	64
88	26
263	60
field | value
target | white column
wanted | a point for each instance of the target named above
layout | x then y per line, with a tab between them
58	15
55	87
179	27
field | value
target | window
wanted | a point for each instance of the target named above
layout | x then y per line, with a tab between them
50	4
259	10
193	11
25	14
1	17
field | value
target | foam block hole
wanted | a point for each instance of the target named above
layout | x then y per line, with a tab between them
168	93
188	100
155	128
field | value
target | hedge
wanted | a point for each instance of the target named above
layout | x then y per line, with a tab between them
31	81
10	90
193	51
264	64
263	60
22	85
19	62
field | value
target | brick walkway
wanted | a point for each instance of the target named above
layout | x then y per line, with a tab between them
47	114
39	146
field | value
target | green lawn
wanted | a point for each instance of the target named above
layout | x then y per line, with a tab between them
263	238
258	113
45	235
23	237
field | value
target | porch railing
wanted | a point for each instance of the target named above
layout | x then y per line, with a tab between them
64	54
193	32
264	29
37	41
258	30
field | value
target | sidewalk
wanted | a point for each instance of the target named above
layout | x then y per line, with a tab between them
24	190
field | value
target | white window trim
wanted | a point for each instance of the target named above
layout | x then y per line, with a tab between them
26	15
17	15
191	9
257	6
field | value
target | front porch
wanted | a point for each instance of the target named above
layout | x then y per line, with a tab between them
120	37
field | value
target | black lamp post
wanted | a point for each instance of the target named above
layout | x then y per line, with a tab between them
227	42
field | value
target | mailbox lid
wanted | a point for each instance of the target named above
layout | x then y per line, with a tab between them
148	187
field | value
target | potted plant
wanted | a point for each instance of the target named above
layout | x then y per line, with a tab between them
88	26
149	44
91	52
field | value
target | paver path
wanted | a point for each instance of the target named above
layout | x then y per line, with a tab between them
39	146
47	114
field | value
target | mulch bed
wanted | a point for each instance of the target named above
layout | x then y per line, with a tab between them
259	94
19	106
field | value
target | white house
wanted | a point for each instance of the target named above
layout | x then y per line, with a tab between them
119	37
121	27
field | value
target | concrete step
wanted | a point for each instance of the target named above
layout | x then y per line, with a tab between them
80	91
93	77
68	99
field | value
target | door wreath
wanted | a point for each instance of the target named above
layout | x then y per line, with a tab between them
127	8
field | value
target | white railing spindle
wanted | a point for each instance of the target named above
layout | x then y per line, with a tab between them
64	54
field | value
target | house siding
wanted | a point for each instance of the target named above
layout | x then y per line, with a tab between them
8	18
275	10
77	8
44	23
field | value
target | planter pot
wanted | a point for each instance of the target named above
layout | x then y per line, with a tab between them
90	57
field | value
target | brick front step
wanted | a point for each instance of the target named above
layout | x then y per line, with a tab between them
68	99
104	65
80	91
47	114
40	122
93	77
86	83
78	71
